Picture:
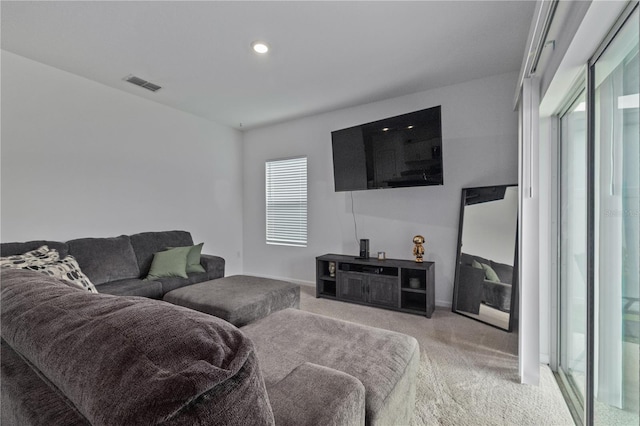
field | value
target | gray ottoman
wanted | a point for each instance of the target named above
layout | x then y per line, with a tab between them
238	299
385	362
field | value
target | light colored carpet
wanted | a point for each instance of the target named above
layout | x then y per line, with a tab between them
468	370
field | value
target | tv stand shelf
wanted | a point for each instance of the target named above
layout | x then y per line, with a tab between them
400	285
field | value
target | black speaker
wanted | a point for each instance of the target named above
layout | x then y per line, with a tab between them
364	248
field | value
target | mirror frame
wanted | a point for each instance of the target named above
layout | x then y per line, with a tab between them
513	314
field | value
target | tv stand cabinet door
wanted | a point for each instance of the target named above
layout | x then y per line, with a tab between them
383	291
352	286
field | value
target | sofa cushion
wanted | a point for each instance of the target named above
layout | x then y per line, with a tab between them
10	249
130	360
505	272
172	283
146	244
466	259
105	259
132	287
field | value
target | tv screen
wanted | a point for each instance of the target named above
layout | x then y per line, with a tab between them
395	152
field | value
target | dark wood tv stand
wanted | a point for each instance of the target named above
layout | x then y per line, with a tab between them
400	285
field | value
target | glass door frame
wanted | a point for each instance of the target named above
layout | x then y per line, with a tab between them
566	384
582	408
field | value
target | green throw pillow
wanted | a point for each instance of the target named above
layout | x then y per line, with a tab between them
489	273
169	263
476	264
193	259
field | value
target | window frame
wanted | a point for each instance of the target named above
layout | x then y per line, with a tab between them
283	228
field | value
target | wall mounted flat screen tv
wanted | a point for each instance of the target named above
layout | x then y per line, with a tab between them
396	152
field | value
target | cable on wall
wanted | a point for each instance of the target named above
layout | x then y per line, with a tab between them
355	225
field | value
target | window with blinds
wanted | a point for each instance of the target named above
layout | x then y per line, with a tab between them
286	198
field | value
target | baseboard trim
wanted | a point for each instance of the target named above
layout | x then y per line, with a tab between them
443	304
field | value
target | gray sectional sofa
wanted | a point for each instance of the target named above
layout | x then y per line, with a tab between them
119	265
74	357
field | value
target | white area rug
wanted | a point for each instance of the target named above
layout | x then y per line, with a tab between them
468	370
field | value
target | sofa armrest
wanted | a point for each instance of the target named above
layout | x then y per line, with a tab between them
315	395
213	265
469	289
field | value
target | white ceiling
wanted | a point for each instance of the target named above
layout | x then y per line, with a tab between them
324	55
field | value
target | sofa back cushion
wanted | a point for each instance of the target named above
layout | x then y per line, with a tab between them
505	272
129	360
11	249
146	244
105	259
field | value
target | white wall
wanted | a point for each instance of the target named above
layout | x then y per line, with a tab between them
81	159
480	132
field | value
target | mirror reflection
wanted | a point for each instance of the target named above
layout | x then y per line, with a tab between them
485	278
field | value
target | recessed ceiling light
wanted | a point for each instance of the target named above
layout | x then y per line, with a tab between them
385	129
410	127
260	47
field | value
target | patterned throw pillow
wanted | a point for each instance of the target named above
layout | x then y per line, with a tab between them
40	256
68	270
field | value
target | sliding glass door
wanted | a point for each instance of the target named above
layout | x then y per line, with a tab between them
616	75
599	234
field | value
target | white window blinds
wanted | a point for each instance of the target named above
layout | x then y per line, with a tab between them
286	197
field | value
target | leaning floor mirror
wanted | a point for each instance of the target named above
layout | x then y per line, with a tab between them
485	284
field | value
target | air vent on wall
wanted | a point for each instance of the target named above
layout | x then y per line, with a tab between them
142	83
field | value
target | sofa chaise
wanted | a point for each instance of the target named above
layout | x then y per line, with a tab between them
386	363
118	265
73	357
